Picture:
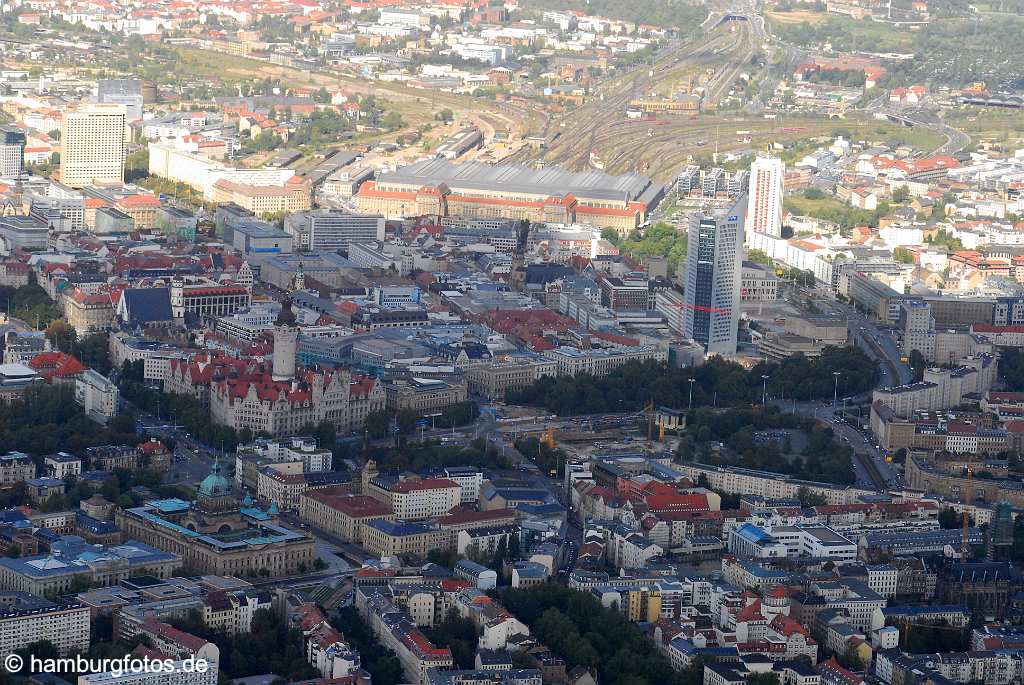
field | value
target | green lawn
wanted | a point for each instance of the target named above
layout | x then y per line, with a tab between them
845	34
988	122
798	204
923	139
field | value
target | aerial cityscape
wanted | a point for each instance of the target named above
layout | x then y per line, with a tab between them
512	342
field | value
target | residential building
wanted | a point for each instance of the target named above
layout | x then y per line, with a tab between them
97	395
395	537
16	467
26	618
174	672
764	203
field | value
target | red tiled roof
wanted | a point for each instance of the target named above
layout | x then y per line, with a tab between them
139	201
751	612
353	506
52	365
179	637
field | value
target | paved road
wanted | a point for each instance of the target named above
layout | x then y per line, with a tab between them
192	460
877	343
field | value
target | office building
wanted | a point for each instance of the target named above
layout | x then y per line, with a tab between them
416	498
342	514
293	195
764	204
12	152
127	92
93	141
337	230
713	266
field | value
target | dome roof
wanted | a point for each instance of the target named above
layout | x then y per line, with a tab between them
215	485
287	316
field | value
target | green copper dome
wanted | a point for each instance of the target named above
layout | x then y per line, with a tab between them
215	485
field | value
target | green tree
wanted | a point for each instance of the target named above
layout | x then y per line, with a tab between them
810	499
376	424
406	421
459	635
903	256
762	679
393	120
949	518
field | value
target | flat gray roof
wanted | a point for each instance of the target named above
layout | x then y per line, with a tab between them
515	178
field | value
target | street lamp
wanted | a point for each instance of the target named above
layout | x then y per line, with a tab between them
835	392
764	389
689	405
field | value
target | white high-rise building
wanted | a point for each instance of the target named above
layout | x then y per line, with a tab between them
764	203
93	145
714	260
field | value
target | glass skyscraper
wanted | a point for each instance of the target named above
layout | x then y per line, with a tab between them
713	269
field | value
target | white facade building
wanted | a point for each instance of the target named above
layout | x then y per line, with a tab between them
764	204
93	145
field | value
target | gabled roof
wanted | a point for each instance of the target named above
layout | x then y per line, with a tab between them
52	365
751	612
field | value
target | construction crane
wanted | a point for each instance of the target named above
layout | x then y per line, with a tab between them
968	500
549	438
649	410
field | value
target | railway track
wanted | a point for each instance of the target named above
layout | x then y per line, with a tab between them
576	142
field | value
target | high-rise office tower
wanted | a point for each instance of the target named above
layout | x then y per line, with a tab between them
12	152
764	205
93	145
713	266
127	92
1000	533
